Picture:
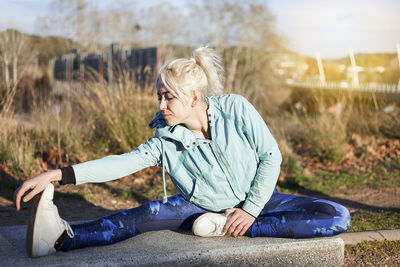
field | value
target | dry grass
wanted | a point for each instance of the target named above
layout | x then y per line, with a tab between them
117	115
95	120
370	253
90	122
16	147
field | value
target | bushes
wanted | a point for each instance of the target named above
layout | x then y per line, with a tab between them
323	135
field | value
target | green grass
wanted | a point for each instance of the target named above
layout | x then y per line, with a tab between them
131	194
393	165
383	178
88	196
323	182
328	182
375	220
126	195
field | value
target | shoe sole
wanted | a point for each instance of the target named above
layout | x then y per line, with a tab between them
33	212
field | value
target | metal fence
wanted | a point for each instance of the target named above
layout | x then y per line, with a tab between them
345	86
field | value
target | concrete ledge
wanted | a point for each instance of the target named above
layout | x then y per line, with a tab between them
181	249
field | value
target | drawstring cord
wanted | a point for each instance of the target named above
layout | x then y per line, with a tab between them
165	198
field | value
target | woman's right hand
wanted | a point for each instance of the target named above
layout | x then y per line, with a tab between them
36	184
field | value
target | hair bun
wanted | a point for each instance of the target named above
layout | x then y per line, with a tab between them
211	63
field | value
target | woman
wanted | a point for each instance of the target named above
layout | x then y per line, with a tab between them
220	156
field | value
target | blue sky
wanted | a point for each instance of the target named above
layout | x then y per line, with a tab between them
328	26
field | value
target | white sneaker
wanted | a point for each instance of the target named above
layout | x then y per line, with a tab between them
45	226
210	224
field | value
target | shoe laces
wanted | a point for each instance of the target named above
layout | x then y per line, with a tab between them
68	228
66	225
219	225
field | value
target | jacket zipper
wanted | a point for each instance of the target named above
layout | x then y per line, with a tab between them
230	177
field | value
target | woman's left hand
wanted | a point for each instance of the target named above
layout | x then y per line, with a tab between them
238	223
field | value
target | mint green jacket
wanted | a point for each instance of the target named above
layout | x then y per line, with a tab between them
238	167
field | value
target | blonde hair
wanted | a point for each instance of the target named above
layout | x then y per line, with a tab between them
202	72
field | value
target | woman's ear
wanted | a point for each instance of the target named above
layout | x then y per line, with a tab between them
195	98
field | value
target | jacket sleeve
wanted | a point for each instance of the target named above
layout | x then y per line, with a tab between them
117	166
270	159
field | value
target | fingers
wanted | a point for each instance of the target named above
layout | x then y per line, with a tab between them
31	194
17	199
236	227
229	211
241	229
230	220
19	193
238	223
244	229
234	221
37	184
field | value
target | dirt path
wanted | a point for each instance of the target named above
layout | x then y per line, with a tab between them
367	199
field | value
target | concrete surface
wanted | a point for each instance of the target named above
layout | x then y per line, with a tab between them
378	235
181	249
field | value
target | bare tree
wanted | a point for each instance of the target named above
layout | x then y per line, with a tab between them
244	33
91	26
71	18
15	54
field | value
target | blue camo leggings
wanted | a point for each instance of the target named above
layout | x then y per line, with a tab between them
283	216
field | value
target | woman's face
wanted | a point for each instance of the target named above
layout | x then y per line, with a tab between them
175	111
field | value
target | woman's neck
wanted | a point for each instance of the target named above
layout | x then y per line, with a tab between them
199	122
